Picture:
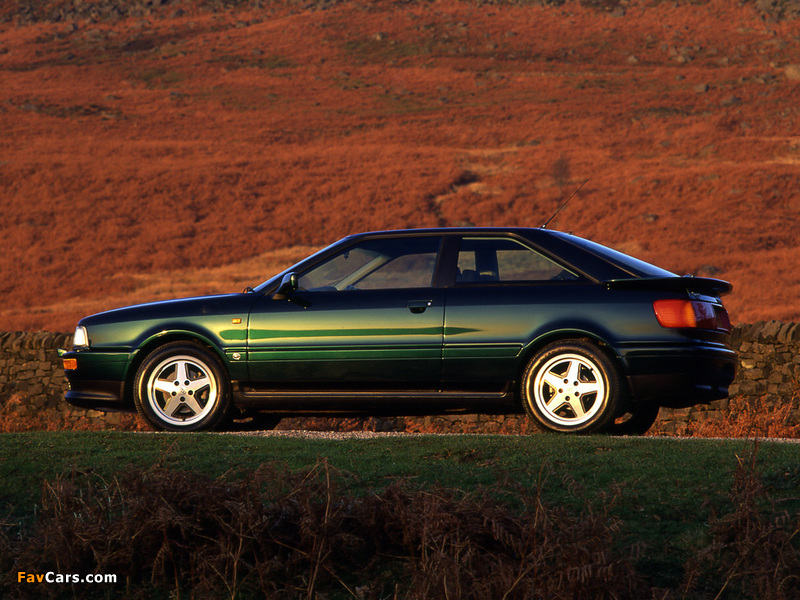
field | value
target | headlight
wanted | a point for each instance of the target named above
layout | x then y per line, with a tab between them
81	339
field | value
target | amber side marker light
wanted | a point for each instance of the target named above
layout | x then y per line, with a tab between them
679	313
70	364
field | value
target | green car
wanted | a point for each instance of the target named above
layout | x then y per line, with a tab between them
580	337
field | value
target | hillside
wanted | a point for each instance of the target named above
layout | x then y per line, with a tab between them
159	149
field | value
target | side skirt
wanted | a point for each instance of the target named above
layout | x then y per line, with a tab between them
376	402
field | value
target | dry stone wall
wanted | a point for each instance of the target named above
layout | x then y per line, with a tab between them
32	382
768	375
29	367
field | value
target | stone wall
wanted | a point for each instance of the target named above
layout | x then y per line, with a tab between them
29	367
769	360
32	383
768	375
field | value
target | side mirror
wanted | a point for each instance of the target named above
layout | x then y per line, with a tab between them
287	287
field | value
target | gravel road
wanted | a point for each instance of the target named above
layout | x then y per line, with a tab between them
361	435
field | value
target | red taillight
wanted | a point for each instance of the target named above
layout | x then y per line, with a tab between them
691	314
723	319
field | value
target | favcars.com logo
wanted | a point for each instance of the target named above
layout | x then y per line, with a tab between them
51	577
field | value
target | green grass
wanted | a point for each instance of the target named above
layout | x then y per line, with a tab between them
651	471
663	490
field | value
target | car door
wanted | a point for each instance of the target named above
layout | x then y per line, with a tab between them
366	318
503	290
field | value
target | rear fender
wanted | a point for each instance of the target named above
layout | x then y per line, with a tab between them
590	334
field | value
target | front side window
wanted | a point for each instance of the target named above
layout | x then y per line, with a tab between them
503	260
376	264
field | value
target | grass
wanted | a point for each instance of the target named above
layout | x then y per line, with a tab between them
666	492
663	475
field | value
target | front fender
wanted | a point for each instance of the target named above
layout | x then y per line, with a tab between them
230	349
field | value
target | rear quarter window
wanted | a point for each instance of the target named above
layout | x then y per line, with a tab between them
504	260
634	266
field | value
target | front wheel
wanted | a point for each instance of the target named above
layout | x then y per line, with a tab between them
571	387
182	387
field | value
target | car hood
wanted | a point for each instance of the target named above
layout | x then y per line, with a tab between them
167	309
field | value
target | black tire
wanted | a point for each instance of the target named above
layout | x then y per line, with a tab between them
181	386
636	421
572	387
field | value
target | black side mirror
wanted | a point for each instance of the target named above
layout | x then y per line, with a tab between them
287	287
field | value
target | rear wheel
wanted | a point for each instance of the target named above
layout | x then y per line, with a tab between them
571	387
182	387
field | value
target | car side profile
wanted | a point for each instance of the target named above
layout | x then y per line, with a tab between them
580	337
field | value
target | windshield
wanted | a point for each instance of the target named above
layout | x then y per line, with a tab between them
274	281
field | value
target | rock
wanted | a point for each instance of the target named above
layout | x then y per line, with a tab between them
792	72
770	330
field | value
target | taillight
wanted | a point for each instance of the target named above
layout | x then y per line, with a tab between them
723	319
693	314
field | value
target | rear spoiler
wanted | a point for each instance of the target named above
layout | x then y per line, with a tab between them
698	285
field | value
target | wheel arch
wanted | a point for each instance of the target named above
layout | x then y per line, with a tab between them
156	341
569	335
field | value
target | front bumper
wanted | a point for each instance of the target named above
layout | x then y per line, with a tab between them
680	377
98	381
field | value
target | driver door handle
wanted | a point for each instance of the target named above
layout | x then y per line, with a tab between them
418	306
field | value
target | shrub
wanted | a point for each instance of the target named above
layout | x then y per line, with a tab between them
754	550
273	535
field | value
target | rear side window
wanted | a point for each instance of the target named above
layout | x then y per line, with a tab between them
504	260
634	266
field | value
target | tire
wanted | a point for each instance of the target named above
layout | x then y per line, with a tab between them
639	420
182	387
572	387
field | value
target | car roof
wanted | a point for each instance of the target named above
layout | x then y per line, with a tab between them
448	230
597	262
600	261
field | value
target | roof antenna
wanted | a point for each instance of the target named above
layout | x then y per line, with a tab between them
563	205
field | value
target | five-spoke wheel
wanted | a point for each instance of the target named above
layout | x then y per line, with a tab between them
181	387
571	386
